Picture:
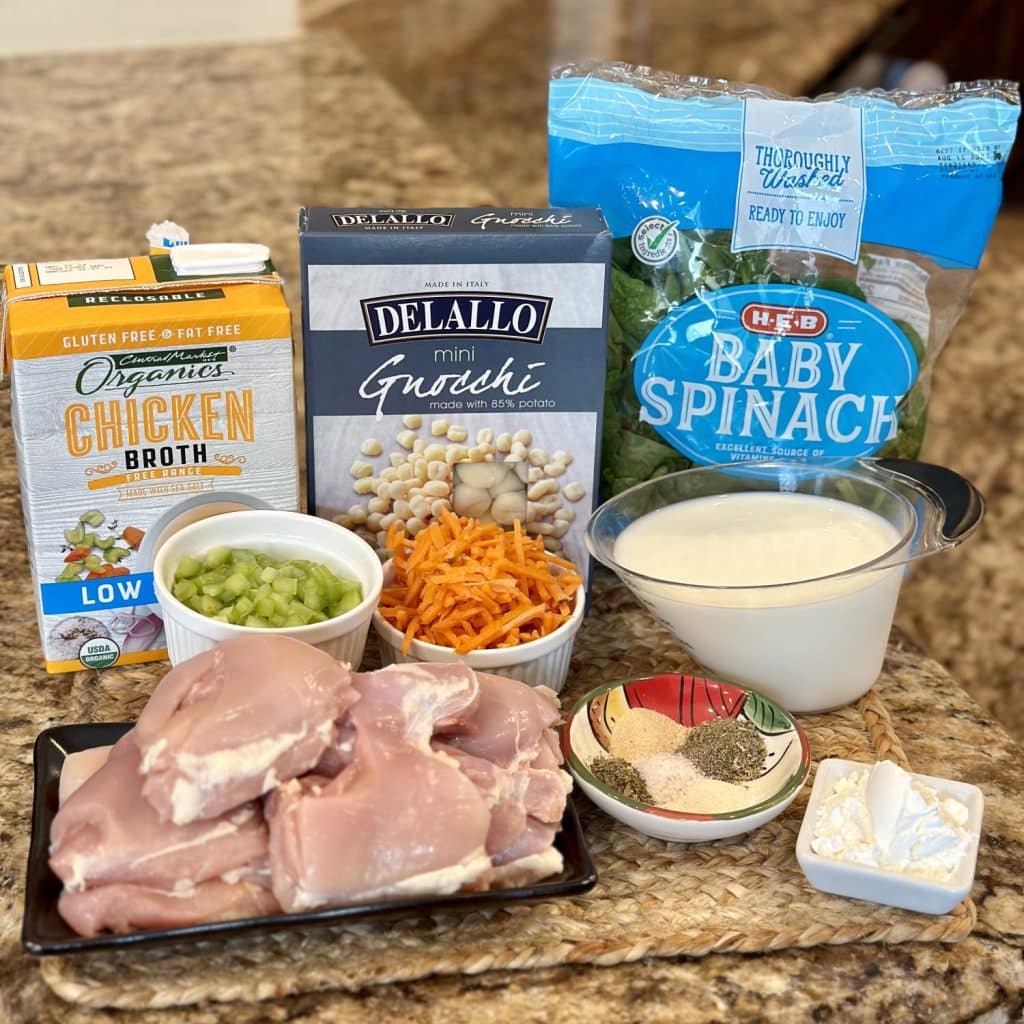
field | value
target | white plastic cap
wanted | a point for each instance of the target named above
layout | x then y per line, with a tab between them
219	258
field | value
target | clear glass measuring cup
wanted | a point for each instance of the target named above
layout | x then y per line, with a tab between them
810	641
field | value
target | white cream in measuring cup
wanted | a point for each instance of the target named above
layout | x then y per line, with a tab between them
725	561
786	581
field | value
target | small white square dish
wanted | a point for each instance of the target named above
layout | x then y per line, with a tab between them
885	885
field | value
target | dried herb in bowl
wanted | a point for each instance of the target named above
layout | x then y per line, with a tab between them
726	749
621	776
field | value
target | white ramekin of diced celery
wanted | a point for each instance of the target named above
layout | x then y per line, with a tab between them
263	571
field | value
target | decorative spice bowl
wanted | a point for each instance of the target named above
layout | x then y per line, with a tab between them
645	715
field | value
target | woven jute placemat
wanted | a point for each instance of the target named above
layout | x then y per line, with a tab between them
654	899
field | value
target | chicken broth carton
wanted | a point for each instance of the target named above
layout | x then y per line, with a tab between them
143	397
454	359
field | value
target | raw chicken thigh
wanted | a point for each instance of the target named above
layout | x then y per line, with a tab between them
77	767
122	867
128	908
107	831
409	821
437	791
415	779
508	747
511	724
230	724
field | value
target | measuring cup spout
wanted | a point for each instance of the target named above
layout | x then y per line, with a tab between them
961	504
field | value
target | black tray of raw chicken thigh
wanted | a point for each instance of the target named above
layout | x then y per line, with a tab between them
45	932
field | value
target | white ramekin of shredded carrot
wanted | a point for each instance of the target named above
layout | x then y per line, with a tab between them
471	591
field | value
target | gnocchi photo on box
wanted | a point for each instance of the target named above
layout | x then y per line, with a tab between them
455	359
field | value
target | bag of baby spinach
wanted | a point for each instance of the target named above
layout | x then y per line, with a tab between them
785	271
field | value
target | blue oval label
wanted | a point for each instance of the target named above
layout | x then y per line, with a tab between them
763	371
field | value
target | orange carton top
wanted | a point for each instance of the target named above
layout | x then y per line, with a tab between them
69	306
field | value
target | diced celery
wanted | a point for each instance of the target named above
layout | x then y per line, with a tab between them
342	589
188	567
217	557
104	543
299	609
94	517
322	575
253	589
75	536
93	563
250	573
236	585
347	603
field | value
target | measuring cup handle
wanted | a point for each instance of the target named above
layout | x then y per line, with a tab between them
962	502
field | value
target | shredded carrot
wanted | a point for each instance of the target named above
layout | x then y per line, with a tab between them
517	532
468	585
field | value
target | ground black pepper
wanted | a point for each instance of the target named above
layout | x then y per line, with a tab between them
725	749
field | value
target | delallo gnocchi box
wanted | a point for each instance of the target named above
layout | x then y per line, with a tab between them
455	359
143	398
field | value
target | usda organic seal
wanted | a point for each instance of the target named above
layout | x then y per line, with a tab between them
655	240
100	652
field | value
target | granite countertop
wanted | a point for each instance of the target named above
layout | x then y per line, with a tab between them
505	52
230	142
942	730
